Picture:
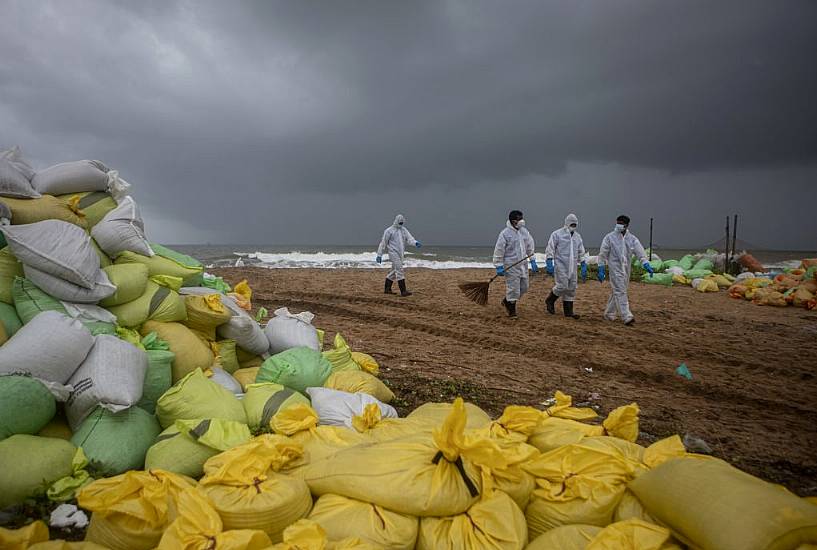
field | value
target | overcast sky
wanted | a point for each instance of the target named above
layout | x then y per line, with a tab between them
316	122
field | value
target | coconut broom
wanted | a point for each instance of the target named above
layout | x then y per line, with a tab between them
478	292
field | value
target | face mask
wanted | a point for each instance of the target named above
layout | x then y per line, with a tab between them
520	223
572	228
620	228
399	223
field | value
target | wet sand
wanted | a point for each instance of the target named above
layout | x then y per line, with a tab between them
752	397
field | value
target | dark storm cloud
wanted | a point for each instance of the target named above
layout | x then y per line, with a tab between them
291	121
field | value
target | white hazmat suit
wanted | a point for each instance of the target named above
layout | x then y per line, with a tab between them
617	250
395	238
566	249
512	245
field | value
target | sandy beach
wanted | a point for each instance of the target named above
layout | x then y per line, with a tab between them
754	381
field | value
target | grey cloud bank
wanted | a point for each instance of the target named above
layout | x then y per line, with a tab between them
314	122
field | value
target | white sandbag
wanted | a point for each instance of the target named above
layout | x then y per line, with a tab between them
285	331
337	408
675	270
49	347
68	291
112	377
14	176
72	177
88	313
226	381
743	276
122	229
241	327
58	248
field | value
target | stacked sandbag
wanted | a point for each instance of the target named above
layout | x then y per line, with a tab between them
9	320
190	351
10	268
186	445
26	405
122	229
131	511
165	262
46	207
286	330
30	300
297	368
358	381
157	303
225	380
240	327
130	281
76	177
227	355
195	397
112	377
339	408
340	356
30	464
15	175
262	401
205	314
624	535
159	374
248	492
91	205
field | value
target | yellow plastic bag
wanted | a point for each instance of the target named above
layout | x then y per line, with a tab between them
354	381
422	476
374	427
366	362
711	505
435	414
577	483
198	527
65	545
22	538
563	408
681	280
566	537
195	397
343	517
631	508
248	493
340	356
494	522
263	400
622	422
707	285
131	510
626	535
720	280
308	535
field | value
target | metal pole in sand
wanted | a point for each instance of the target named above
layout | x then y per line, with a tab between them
650	239
726	251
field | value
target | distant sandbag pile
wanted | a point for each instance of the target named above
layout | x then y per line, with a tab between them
146	390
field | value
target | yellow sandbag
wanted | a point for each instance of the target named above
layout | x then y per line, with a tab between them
514	480
10	268
343	517
248	493
622	422
710	505
169	281
199	527
340	356
626	535
354	381
374	427
46	207
263	401
159	265
629	507
554	432
194	397
566	537
93	205
307	535
801	297
495	522
681	280
721	280
243	294
436	413
131	510
246	376
422	476
576	483
58	427
156	304
204	315
191	352
563	408
365	361
65	545
22	538
707	285
768	297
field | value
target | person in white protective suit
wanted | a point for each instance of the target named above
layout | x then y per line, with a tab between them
565	250
616	253
513	245
395	237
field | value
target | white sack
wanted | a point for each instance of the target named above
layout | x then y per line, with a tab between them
675	270
122	229
68	291
285	331
72	177
112	376
14	176
88	313
58	248
338	408
15	157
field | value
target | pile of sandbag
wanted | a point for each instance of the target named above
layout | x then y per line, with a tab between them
795	287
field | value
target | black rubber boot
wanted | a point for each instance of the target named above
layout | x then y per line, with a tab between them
507	305
568	307
550	302
388	289
511	310
403	291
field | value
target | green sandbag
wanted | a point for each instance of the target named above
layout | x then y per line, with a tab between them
228	356
158	378
184	447
697	273
130	280
31	464
9	269
117	442
216	283
263	400
687	262
11	321
158	303
104	259
656	265
670	263
664	279
196	396
166	262
30	301
188	262
296	368
26	405
704	264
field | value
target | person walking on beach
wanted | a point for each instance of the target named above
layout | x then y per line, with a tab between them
514	244
564	251
617	250
395	237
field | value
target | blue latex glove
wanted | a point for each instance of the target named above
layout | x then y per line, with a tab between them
584	271
648	268
418	244
500	270
549	266
601	273
533	266
379	259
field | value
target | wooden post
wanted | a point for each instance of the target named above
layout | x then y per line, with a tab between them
650	239
726	251
734	234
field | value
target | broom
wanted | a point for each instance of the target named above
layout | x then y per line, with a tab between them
478	292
